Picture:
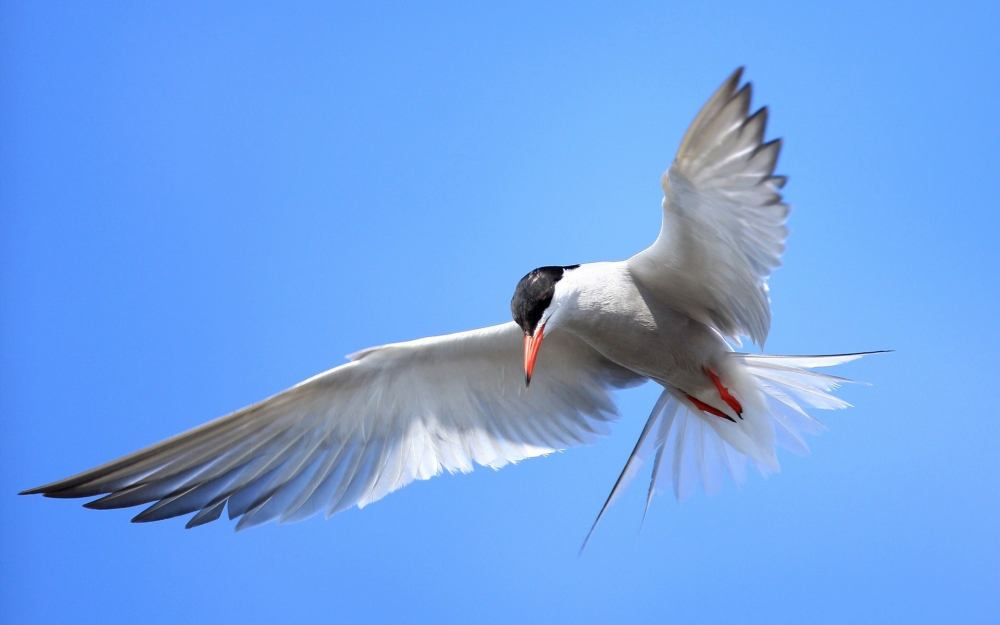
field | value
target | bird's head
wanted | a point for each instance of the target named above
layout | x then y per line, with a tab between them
534	307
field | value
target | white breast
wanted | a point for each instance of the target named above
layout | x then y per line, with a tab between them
603	305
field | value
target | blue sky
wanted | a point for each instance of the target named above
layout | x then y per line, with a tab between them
202	205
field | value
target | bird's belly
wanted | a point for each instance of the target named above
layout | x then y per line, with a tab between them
664	345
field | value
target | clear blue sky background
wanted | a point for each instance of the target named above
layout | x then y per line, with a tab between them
201	205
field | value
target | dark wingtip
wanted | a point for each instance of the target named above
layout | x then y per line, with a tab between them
60	489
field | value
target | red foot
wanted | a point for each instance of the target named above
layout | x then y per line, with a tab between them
709	409
725	394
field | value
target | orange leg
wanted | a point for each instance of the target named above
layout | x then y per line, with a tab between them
725	394
709	409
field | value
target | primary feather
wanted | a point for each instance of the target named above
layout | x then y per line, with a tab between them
353	434
723	226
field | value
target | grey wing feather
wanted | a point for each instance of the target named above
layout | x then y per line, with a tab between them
723	226
353	434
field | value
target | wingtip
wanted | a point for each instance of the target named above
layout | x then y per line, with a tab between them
45	490
732	84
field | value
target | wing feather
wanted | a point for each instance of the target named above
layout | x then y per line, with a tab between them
354	434
723	227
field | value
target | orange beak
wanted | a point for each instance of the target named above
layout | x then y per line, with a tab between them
531	345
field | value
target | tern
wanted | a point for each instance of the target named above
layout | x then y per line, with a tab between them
540	383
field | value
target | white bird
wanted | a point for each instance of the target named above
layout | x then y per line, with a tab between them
541	383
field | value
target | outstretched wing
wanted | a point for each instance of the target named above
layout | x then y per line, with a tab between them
723	220
355	433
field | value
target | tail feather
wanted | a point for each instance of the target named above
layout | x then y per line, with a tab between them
810	392
691	448
640	454
787	386
805	362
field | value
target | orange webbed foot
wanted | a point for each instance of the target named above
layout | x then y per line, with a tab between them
709	409
724	393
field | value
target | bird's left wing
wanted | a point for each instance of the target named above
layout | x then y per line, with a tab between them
357	432
723	226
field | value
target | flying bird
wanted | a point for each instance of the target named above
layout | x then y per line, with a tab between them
542	382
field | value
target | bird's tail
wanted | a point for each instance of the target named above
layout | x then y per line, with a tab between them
689	447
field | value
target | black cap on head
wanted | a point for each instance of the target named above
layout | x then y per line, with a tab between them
534	294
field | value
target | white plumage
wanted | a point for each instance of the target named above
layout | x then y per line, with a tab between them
356	433
411	410
723	220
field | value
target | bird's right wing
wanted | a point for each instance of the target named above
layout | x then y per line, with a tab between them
723	226
357	432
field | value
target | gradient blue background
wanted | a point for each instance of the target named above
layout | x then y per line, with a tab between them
202	205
